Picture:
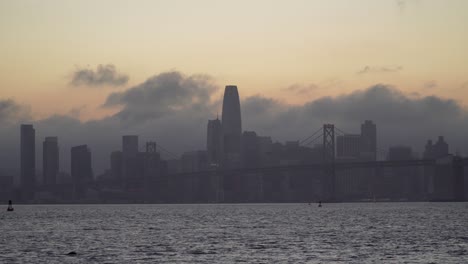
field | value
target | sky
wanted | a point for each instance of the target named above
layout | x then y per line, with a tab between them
77	63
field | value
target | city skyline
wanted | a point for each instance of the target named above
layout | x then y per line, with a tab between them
218	131
101	160
241	166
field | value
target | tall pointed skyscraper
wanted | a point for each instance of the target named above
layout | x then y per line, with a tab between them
231	121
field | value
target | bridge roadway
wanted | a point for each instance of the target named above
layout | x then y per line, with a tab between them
321	166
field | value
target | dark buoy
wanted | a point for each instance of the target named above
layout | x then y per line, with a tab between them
10	206
320	204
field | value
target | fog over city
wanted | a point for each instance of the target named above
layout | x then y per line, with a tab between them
172	108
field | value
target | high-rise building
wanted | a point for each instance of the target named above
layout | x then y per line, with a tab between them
129	156
28	159
400	153
214	142
435	151
232	127
348	146
250	150
116	165
369	140
81	164
441	148
428	150
50	160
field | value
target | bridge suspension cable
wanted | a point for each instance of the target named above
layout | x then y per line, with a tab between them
167	152
309	137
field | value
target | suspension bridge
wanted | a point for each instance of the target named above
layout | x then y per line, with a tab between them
324	172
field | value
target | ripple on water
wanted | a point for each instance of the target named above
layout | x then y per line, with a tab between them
294	233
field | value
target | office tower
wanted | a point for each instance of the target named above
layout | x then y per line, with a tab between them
369	140
28	159
250	150
435	151
440	148
348	146
400	153
81	165
214	142
231	120
116	165
50	160
129	156
428	150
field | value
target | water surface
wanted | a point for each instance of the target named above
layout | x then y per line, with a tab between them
244	233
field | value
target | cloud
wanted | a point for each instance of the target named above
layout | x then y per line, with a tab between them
299	89
173	109
163	95
379	69
402	4
431	84
10	111
464	85
103	75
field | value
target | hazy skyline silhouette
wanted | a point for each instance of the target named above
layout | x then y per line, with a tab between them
172	109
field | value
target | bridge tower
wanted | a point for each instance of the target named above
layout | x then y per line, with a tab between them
329	159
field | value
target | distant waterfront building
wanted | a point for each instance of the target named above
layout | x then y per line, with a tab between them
441	148
232	126
193	161
214	141
428	150
129	156
28	159
369	140
435	151
50	160
116	165
81	167
400	153
348	146
250	150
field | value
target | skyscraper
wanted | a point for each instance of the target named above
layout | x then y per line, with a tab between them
231	124
369	140
348	146
116	165
50	160
81	167
129	156
28	159
214	141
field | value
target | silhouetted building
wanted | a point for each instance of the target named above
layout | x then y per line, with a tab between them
232	126
441	148
400	153
369	140
50	160
28	160
129	156
438	150
214	142
81	168
194	161
116	165
265	145
429	150
405	182
447	183
348	146
250	150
